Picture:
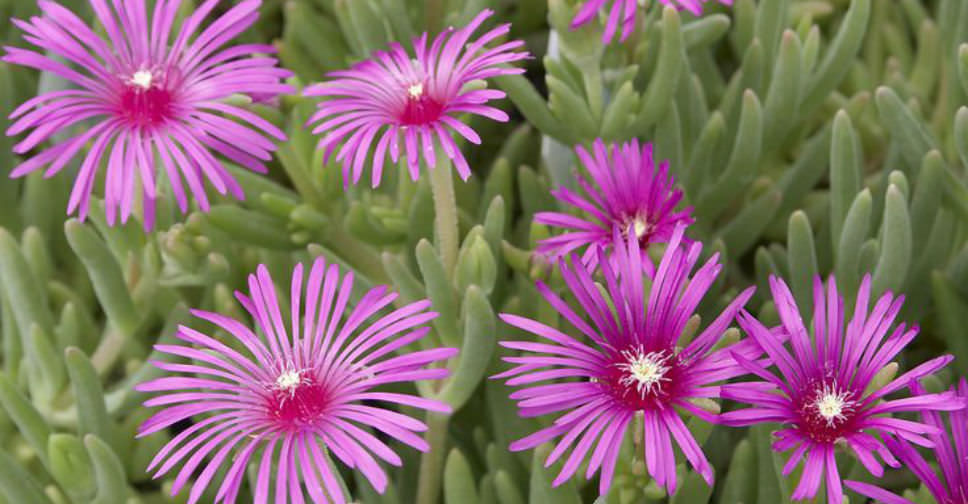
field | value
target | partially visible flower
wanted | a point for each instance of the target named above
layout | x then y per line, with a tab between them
627	193
826	393
950	452
633	363
624	12
394	98
303	385
156	102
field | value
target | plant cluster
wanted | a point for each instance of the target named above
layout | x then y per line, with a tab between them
484	251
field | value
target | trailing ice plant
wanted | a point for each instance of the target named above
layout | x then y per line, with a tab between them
809	138
156	98
631	367
830	388
408	105
627	194
624	13
300	387
950	451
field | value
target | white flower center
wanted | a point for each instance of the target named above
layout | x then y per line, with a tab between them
831	405
640	226
289	380
416	90
142	79
646	371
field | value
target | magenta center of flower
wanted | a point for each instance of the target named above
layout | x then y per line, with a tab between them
420	108
827	413
642	379
297	399
144	102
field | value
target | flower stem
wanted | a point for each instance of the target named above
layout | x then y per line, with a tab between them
445	210
432	461
357	254
445	225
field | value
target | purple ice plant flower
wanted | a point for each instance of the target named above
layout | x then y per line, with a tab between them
627	193
407	104
950	451
826	393
301	386
149	98
626	362
624	12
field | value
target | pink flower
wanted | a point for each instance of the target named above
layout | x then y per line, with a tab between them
950	451
626	193
301	384
394	97
824	395
148	101
631	362
624	12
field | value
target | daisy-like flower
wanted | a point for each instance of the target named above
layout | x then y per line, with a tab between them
826	393
301	385
627	193
631	363
623	12
950	451
151	100
408	104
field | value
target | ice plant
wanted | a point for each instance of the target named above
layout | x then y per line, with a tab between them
151	100
950	451
826	392
301	385
623	12
630	361
406	104
627	193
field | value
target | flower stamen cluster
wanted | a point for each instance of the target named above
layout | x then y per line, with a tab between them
833	406
644	371
143	79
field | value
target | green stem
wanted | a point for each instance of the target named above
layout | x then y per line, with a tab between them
445	210
356	254
432	461
445	224
299	175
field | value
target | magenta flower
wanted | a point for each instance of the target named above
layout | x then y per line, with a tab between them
146	102
950	451
633	363
418	99
827	394
627	192
624	12
304	384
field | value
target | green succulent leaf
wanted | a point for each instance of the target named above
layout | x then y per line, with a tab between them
476	349
459	485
